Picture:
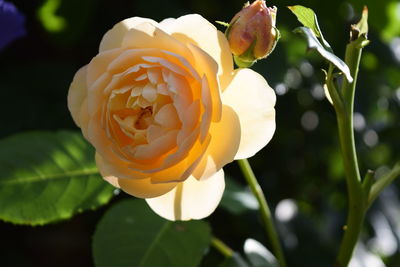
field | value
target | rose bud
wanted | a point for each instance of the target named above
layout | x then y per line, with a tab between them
252	34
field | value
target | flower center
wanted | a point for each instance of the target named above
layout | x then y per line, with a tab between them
151	112
145	118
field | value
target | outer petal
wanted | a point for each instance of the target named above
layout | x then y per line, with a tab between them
197	30
77	94
253	101
142	188
225	139
148	35
191	199
113	38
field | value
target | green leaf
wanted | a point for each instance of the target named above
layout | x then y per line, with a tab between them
308	18
313	43
237	199
130	234
46	177
258	255
235	261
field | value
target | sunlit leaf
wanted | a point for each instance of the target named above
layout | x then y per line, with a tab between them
46	177
130	234
308	18
313	43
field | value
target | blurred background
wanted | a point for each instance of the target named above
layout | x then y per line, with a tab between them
300	170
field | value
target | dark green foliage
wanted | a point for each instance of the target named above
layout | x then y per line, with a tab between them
130	234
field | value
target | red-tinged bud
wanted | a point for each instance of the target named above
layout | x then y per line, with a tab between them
252	34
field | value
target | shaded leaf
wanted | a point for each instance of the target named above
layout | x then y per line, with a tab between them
237	199
313	43
258	255
45	177
130	234
235	261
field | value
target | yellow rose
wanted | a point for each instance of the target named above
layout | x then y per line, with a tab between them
165	112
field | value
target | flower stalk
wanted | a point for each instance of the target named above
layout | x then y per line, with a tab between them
383	181
264	210
357	197
219	245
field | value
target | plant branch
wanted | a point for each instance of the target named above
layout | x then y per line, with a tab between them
219	245
264	210
382	182
356	196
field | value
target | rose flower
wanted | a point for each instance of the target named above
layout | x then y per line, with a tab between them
165	112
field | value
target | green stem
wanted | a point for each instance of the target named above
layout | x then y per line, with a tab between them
264	210
383	181
219	245
357	203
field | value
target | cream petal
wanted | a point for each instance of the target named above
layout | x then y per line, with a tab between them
156	148
174	167
147	35
149	92
96	93
162	89
179	85
106	174
190	117
167	24
208	109
77	94
205	36
167	117
112	180
169	65
113	38
191	199
154	132
84	118
253	100
154	75
209	76
116	169
181	61
130	61
99	64
225	140
142	188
